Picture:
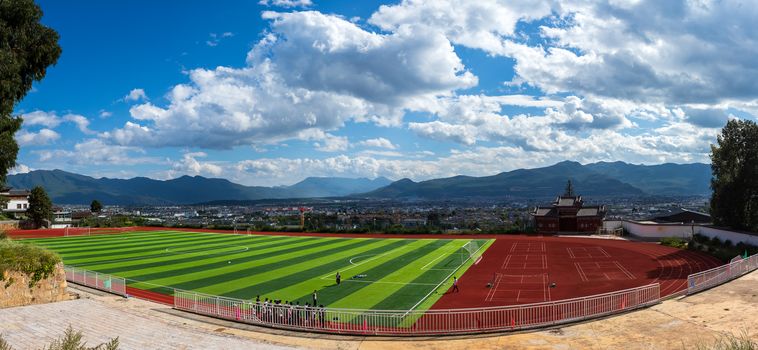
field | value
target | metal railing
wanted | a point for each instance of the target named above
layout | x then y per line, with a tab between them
97	280
703	280
429	322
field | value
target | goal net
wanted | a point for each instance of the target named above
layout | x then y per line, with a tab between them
77	231
466	252
88	231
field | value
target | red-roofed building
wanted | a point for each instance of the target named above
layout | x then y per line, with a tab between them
568	214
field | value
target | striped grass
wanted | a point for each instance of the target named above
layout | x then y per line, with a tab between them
389	274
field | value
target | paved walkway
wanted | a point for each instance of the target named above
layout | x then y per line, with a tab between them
674	324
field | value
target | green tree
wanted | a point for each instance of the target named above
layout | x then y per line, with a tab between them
40	207
95	206
27	48
734	164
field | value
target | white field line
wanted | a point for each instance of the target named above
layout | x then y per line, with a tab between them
387	282
331	274
203	250
444	254
168	253
443	281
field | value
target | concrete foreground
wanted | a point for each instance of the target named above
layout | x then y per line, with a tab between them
675	324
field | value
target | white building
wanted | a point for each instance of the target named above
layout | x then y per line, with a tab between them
18	201
62	219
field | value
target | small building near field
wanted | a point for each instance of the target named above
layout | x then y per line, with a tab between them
18	201
568	214
682	216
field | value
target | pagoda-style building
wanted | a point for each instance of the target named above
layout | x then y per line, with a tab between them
568	214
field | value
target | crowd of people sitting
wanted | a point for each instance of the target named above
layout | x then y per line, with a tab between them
276	311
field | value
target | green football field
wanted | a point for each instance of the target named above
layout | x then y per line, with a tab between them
382	274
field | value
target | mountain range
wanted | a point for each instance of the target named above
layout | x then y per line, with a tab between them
69	188
614	179
617	179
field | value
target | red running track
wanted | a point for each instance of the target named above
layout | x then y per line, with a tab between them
522	270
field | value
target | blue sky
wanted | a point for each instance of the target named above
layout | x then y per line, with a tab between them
269	93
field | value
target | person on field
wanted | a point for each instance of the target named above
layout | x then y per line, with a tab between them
338	278
455	285
315	298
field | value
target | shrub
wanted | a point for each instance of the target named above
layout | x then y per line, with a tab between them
730	342
675	242
70	341
37	262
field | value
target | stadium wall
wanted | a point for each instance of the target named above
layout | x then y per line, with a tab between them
655	231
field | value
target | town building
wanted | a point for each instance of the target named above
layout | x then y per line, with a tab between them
18	201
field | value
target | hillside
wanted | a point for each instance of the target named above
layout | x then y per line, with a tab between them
617	179
69	188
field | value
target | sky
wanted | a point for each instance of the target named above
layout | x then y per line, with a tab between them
270	92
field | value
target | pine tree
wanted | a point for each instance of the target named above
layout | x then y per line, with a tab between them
40	207
734	164
27	48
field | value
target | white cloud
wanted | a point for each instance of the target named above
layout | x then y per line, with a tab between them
460	133
189	164
478	24
40	138
81	122
20	169
136	95
312	72
96	152
47	119
286	3
215	39
672	52
379	142
104	114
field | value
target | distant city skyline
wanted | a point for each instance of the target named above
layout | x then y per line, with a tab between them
271	92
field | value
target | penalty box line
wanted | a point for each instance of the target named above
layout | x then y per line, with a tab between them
354	265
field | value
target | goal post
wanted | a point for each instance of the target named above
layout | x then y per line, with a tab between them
468	250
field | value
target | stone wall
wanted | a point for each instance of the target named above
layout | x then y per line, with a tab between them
47	290
8	225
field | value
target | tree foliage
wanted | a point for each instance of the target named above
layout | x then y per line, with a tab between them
27	48
734	164
40	207
95	206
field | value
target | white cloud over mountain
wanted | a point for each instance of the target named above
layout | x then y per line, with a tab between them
639	81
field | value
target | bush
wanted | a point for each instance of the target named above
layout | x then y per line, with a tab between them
37	262
70	341
675	242
731	342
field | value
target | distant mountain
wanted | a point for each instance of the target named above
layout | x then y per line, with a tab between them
598	179
335	186
617	179
662	179
68	188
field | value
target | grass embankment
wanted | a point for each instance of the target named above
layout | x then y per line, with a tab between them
37	262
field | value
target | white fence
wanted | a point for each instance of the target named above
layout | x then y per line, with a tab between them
97	280
429	322
702	280
655	231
